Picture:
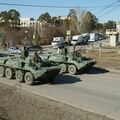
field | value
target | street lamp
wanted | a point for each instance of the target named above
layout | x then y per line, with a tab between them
55	26
58	18
68	31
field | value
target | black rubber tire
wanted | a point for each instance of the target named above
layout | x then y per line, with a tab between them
29	79
2	71
19	75
9	73
72	69
63	68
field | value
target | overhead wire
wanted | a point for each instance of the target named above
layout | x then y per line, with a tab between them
102	12
109	11
108	6
45	6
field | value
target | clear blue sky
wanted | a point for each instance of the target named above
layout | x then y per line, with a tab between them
36	12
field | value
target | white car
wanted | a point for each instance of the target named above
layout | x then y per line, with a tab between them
14	50
74	42
55	44
56	41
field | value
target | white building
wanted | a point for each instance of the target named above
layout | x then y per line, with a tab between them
63	17
28	22
118	26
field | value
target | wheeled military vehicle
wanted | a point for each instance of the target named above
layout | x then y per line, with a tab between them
71	62
23	69
3	55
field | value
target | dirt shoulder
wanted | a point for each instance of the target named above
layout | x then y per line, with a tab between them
105	58
16	104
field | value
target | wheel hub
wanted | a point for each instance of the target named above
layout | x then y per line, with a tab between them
27	78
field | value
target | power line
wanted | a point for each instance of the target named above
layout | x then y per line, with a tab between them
44	6
108	6
111	4
110	11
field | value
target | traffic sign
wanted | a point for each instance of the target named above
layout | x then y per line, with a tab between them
68	32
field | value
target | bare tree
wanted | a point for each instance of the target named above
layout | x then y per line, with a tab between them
80	13
76	15
88	23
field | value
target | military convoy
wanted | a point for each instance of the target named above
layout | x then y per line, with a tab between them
71	62
23	69
43	66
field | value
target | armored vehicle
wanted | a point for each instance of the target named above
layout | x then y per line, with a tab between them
3	55
71	62
24	69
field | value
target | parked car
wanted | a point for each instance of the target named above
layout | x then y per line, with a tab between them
57	41
14	50
34	48
79	40
96	37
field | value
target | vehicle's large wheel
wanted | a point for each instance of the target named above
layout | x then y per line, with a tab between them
19	76
29	79
9	73
2	71
63	68
72	69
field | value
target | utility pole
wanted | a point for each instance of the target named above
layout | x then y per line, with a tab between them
58	18
100	50
55	26
41	27
26	37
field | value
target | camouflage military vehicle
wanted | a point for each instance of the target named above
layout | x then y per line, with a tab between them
26	70
71	62
3	55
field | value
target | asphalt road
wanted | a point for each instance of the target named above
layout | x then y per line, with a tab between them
98	91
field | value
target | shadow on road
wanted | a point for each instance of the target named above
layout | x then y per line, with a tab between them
60	79
66	79
97	70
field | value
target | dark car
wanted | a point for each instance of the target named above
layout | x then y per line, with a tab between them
34	48
82	40
100	36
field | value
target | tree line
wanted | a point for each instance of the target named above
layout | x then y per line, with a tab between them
77	20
